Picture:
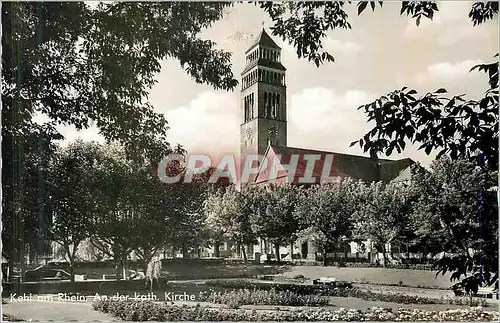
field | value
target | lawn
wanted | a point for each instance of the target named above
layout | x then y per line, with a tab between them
206	269
412	278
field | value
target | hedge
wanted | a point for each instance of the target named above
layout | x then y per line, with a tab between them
235	298
347	292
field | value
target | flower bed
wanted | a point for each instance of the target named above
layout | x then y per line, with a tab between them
347	292
149	311
261	297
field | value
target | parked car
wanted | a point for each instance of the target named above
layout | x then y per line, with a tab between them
46	273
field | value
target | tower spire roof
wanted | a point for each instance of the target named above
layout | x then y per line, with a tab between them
263	39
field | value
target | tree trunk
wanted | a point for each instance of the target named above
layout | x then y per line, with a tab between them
118	263
71	258
277	251
244	253
384	253
217	249
324	257
291	250
407	256
10	268
22	262
124	268
72	270
184	251
173	251
145	266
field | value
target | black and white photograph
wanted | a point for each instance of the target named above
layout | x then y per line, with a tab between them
246	161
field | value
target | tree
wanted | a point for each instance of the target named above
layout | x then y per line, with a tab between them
149	223
453	126
72	188
385	213
25	212
273	214
80	66
229	215
458	208
327	212
153	271
114	227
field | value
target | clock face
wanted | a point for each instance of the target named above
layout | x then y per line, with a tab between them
273	130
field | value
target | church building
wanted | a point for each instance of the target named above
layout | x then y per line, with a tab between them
264	132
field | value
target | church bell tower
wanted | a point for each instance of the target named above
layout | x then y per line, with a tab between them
263	97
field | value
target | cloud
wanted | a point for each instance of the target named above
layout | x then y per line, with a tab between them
320	118
336	45
449	25
446	71
208	124
455	77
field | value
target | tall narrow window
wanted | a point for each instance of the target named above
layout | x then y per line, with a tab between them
265	105
278	109
275	105
245	109
252	107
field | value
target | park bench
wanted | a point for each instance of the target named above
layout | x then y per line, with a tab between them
489	292
109	276
325	281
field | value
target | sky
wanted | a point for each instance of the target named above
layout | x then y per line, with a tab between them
382	52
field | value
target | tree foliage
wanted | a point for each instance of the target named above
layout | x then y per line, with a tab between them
385	215
72	191
82	66
457	206
229	214
327	213
273	213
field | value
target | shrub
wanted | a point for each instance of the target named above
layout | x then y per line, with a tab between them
262	297
343	290
149	311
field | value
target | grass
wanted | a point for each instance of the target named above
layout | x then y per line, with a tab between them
189	269
377	276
